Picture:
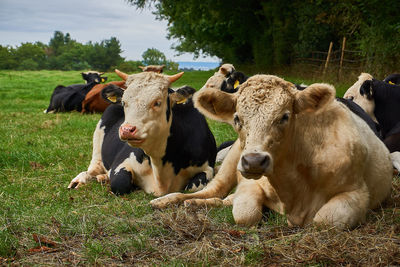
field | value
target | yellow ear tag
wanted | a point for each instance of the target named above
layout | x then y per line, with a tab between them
112	98
181	101
236	84
102	80
390	82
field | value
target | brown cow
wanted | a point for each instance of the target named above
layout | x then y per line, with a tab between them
94	102
303	154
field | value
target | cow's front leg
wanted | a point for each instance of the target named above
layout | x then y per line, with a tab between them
121	181
219	187
248	203
345	210
200	180
210	202
96	169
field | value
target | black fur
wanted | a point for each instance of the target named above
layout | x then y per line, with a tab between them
231	78
70	98
394	78
197	180
387	109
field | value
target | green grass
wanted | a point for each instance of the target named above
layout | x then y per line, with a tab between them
40	154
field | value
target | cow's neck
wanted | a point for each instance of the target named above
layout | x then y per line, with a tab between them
156	152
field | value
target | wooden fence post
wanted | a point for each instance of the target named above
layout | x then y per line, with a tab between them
327	58
341	58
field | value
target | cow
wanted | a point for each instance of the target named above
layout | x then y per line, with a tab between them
153	139
94	102
299	153
393	79
69	98
153	68
381	100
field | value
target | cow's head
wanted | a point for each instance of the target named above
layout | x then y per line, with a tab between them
147	103
93	77
393	79
153	68
362	95
226	79
263	113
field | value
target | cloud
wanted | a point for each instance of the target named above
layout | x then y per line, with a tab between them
88	20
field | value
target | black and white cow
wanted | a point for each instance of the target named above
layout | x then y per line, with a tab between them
381	101
68	98
393	79
154	140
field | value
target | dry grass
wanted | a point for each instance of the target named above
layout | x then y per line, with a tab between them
196	237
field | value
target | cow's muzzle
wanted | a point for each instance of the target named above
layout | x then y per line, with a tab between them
255	165
128	132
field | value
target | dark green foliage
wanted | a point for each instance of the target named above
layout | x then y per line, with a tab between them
269	34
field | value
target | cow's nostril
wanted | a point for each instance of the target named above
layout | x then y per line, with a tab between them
245	164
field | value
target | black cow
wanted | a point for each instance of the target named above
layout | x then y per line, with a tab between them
386	99
155	140
393	79
68	98
232	81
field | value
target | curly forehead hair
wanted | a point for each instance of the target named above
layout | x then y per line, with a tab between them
260	87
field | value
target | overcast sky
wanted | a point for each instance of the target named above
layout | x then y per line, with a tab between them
87	20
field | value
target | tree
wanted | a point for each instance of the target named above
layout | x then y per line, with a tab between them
272	33
31	56
152	56
7	59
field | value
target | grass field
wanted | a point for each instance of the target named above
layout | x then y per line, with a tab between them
40	153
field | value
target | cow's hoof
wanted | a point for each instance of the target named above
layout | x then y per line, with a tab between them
78	181
103	178
162	202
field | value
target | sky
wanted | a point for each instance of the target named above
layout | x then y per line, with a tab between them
88	20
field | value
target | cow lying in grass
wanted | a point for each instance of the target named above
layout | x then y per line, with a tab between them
94	102
381	100
69	98
154	139
301	153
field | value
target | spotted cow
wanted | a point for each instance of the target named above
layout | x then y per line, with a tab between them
153	139
299	153
69	98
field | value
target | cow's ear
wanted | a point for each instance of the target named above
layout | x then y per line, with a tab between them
216	105
181	95
84	75
314	97
103	79
112	94
366	89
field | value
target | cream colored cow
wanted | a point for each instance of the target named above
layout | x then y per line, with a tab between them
303	154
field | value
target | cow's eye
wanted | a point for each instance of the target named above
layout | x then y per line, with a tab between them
237	121
284	118
157	103
351	98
